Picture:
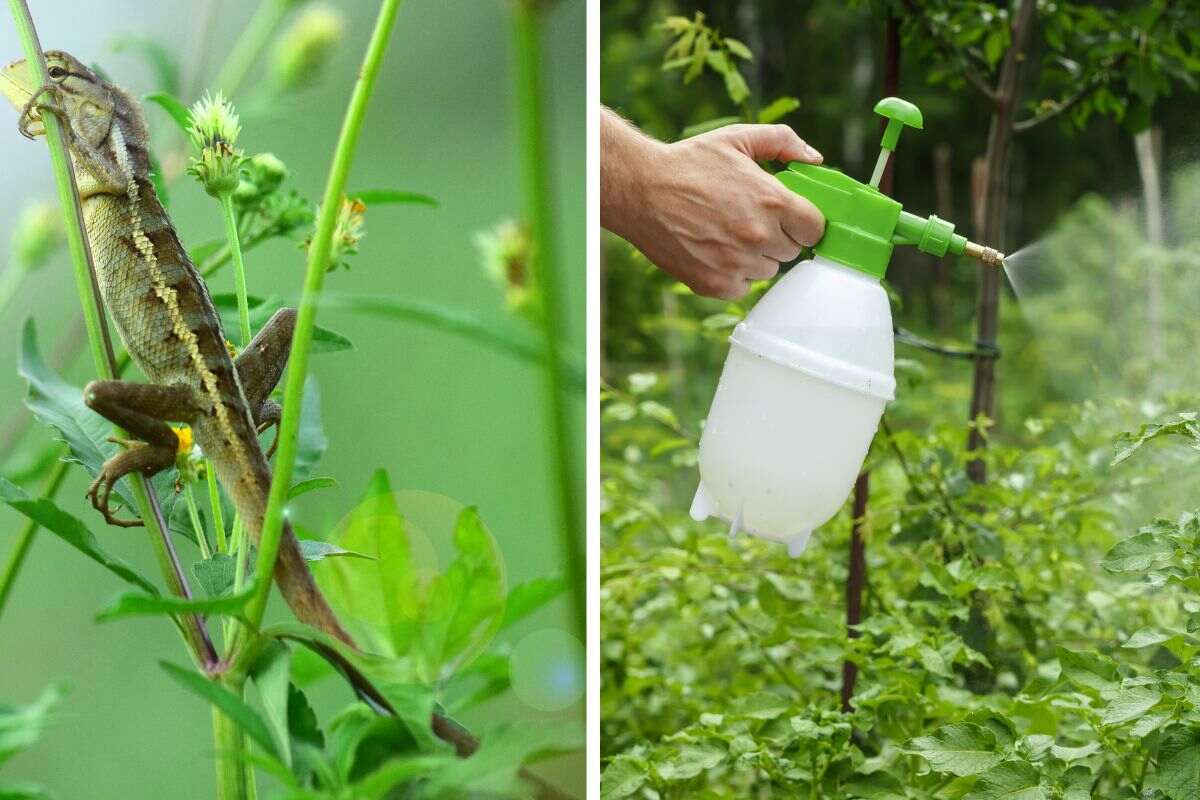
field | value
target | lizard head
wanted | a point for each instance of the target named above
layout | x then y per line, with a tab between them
86	99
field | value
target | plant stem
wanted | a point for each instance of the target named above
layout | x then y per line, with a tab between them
318	262
16	558
533	124
251	43
229	742
197	527
239	266
214	499
195	635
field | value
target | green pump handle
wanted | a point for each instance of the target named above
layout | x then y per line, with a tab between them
862	225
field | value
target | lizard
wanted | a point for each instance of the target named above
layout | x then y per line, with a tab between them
165	316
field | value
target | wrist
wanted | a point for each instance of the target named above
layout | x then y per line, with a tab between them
627	162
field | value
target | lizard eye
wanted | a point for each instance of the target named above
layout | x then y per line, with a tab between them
57	72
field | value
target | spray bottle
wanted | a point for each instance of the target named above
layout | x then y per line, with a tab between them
810	369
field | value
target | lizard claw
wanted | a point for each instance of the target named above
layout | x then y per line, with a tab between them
100	492
33	105
275	443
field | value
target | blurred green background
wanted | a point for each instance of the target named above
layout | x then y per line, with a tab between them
442	414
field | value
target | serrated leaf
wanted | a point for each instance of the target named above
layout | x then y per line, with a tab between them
959	748
493	770
1069	754
623	776
215	575
1139	552
761	705
1088	669
1011	780
1129	703
68	528
1147	637
687	761
270	674
1179	763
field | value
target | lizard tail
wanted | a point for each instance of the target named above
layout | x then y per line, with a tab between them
299	589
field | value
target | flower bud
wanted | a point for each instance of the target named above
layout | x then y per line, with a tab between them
304	49
261	175
39	233
347	232
506	251
214	131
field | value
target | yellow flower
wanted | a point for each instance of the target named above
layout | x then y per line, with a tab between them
184	434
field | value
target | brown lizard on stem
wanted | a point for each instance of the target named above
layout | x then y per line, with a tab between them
166	318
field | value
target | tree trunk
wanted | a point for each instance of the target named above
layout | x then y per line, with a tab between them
942	298
1145	145
983	395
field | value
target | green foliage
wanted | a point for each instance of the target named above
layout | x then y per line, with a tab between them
20	728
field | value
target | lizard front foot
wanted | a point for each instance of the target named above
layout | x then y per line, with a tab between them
269	415
146	459
35	104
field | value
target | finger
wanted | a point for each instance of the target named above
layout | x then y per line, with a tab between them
801	220
774	143
781	247
764	268
722	284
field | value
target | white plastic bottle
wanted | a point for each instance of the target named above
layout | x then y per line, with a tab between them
808	374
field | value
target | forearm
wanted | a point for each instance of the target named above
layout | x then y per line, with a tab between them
626	158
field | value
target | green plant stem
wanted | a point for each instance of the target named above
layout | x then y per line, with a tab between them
201	539
239	266
229	741
533	124
16	558
214	500
251	43
318	263
195	635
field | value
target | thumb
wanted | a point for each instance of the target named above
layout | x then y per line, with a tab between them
775	143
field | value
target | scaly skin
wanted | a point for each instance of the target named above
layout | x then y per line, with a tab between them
163	310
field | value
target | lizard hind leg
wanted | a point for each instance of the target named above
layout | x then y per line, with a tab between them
141	409
260	366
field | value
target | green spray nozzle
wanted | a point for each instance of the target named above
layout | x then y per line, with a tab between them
863	225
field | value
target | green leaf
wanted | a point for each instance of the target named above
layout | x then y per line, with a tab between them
881	785
1147	637
623	776
377	197
45	513
1088	669
216	575
708	125
738	49
56	403
761	705
1077	783
315	550
227	702
312	484
526	598
778	109
24	791
311	442
498	335
1179	763
1011	780
327	341
1069	754
178	111
157	54
687	761
1130	703
1184	425
959	748
270	673
1138	553
20	728
136	604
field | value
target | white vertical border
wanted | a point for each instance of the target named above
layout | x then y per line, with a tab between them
592	512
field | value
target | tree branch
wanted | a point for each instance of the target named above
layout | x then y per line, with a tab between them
970	74
1061	107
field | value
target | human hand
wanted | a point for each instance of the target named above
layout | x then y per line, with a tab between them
701	209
